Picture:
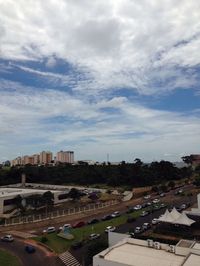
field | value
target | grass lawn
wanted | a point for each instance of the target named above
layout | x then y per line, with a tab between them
7	259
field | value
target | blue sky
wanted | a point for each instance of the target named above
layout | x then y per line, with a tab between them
97	77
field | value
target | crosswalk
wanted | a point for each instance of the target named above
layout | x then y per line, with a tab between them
68	259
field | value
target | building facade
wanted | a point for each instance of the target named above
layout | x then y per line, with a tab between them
65	157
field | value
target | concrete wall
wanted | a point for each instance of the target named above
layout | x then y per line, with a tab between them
97	261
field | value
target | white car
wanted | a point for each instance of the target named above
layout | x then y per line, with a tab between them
138	230
7	238
115	214
154	221
156	201
147	197
49	230
137	207
94	236
110	229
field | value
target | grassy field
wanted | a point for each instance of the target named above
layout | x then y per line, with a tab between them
7	259
60	245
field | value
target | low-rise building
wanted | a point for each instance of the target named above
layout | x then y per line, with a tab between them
126	251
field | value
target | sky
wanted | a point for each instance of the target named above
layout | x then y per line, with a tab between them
117	77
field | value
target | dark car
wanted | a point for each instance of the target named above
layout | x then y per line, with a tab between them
78	224
77	245
130	210
30	249
130	219
106	217
93	221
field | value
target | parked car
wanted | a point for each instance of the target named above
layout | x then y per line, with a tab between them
77	245
30	249
132	235
156	201
137	207
146	226
78	224
147	197
144	213
183	206
149	203
130	210
154	221
93	221
130	219
65	226
162	195
49	230
110	229
7	238
138	230
106	217
115	214
163	205
94	236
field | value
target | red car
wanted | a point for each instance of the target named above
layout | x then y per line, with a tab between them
78	224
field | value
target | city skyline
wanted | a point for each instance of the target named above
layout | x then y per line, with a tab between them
98	77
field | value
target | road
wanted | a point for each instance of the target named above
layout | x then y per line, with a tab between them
39	258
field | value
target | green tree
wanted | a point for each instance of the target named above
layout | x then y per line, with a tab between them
74	194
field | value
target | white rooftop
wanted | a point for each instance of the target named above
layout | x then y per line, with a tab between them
5	192
135	255
192	260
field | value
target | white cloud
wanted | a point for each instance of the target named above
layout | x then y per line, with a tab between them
118	43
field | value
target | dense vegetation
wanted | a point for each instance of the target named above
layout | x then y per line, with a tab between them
125	174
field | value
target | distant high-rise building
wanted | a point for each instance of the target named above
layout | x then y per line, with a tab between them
46	157
65	157
36	159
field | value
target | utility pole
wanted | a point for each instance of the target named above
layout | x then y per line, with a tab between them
107	158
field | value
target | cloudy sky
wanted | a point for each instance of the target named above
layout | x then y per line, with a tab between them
100	76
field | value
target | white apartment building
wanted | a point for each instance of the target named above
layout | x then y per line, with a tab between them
65	157
126	251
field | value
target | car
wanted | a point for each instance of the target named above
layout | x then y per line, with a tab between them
7	238
130	210
130	219
156	201
157	207
162	195
93	221
132	235
138	230
106	217
137	207
163	205
110	229
115	214
154	221
49	230
77	245
183	206
144	205
64	227
94	236
146	226
30	249
144	213
147	197
149	203
78	224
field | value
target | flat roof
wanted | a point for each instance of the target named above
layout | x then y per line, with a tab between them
184	243
192	260
5	192
196	246
135	255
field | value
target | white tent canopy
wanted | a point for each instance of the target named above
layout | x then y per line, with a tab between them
175	217
184	220
175	214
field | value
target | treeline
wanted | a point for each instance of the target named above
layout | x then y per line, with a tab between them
125	174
